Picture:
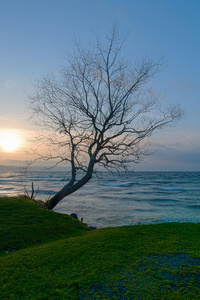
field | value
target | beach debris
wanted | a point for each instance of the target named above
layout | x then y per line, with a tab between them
73	215
33	192
92	227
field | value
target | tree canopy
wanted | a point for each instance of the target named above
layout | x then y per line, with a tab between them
96	111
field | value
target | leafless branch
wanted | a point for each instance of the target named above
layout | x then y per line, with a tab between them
96	111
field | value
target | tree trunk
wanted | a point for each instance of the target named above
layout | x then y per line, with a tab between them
67	190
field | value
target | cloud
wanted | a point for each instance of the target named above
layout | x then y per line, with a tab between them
175	152
183	85
13	162
182	140
181	154
9	83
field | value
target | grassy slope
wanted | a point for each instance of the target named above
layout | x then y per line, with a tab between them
24	223
134	262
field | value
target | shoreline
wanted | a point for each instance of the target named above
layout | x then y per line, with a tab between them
141	198
51	255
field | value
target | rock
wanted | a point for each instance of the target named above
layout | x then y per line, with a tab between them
92	227
73	215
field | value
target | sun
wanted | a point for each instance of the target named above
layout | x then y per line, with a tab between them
10	140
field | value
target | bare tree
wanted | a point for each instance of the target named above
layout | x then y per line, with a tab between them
96	112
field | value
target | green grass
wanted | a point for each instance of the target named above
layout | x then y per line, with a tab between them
24	223
61	259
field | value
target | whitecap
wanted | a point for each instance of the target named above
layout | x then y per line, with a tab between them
46	192
37	176
171	189
195	206
115	185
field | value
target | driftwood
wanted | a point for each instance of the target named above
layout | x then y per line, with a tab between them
33	192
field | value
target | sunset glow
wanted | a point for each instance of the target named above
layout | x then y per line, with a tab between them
10	140
166	32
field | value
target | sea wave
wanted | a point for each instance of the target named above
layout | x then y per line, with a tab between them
163	200
40	177
46	178
47	192
7	188
171	189
144	209
116	184
140	198
195	206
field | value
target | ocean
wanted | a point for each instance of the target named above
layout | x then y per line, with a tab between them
113	200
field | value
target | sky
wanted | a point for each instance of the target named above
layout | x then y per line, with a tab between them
34	35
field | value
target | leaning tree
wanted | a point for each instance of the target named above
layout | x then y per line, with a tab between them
96	112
